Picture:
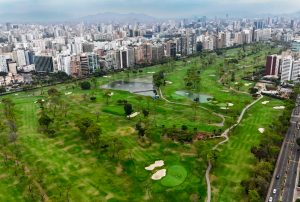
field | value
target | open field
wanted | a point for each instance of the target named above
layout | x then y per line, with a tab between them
66	166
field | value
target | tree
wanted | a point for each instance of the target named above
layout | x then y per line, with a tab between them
158	79
8	108
141	128
145	113
93	133
254	196
85	85
115	147
232	76
45	120
107	96
94	82
203	150
128	109
83	124
53	92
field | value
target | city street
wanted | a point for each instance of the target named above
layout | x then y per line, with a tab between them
284	177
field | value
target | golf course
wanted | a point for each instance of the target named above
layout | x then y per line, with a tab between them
77	143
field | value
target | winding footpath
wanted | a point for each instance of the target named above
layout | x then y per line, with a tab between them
188	105
225	135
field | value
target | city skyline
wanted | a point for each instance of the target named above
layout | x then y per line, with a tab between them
49	11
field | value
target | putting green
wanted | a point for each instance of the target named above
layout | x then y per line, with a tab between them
176	175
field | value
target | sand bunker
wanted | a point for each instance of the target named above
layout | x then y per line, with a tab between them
156	164
159	174
265	102
133	115
261	130
279	107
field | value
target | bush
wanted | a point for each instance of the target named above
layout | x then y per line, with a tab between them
85	85
93	98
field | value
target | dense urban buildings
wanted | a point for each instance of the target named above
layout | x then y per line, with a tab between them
83	49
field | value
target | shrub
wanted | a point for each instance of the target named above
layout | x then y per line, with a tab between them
85	85
93	98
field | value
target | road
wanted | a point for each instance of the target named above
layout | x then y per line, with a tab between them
285	173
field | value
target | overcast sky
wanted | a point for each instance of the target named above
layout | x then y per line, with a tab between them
53	10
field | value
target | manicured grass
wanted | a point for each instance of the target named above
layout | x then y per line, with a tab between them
176	175
68	162
235	160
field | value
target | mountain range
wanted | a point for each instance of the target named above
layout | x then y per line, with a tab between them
110	17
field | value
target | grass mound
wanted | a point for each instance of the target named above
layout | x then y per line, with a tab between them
176	175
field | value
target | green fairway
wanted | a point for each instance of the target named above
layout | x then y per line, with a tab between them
235	160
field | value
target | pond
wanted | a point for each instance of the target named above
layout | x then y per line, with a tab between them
135	86
203	98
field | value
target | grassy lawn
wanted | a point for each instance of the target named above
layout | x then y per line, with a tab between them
235	160
66	163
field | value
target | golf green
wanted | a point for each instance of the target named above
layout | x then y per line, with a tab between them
176	175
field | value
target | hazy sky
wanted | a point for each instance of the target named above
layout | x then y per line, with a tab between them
51	10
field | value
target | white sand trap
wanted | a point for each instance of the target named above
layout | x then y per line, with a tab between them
265	102
248	84
230	105
261	130
68	93
169	82
133	115
156	164
159	174
279	107
150	72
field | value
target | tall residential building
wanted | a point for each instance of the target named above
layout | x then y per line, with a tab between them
75	66
272	65
3	64
296	71
21	58
89	63
64	63
171	49
43	64
286	65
